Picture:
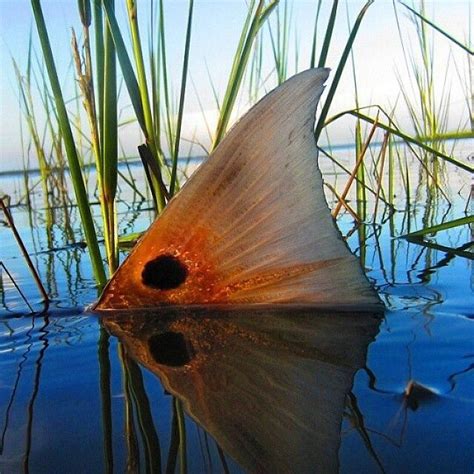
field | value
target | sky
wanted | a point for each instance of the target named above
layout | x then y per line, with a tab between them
379	60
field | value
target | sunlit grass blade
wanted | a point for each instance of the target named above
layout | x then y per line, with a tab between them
312	61
125	65
382	155
280	43
405	137
137	89
255	71
164	70
340	69
140	67
110	148
153	171
99	59
154	57
255	19
234	72
429	108
327	39
438	29
103	143
129	240
179	120
109	140
26	105
444	136
73	159
360	189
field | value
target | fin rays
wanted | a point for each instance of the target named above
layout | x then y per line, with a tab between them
252	223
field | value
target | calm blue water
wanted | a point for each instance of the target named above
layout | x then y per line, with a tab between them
360	393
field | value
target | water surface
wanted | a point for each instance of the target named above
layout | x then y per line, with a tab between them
233	390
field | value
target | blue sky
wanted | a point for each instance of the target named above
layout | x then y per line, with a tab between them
216	30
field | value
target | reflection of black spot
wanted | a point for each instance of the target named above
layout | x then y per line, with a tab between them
416	394
164	273
170	348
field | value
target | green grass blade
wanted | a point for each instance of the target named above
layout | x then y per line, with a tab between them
140	65
279	44
267	11
85	12
154	47
441	137
312	61
110	148
181	99
407	138
360	190
137	90
103	144
439	30
164	69
129	240
241	57
328	36
233	73
73	159
99	62
340	69
125	64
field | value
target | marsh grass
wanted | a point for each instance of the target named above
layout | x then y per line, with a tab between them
421	15
145	72
143	67
71	151
428	103
102	122
257	14
432	117
280	41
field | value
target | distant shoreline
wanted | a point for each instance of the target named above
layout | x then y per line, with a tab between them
135	161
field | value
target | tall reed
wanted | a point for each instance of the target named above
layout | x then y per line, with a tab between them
256	17
147	76
103	124
73	159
